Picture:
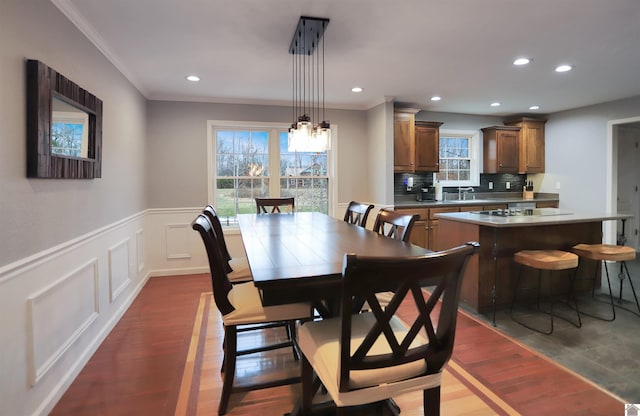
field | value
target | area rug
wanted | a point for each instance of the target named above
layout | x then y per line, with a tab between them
489	374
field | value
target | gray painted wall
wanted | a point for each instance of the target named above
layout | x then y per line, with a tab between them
36	214
177	152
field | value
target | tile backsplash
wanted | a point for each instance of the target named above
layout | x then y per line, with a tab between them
423	180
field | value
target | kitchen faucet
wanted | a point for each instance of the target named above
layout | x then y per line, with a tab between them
464	192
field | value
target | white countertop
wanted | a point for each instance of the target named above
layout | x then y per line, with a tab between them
542	216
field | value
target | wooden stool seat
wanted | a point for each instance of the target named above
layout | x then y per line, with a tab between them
606	252
547	259
610	253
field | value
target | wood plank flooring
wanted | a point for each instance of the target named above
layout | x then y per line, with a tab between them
152	351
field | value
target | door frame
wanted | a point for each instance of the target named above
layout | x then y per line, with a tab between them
610	227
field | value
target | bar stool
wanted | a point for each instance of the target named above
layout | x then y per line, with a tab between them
605	253
545	260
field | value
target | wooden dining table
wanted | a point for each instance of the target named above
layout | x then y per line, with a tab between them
297	257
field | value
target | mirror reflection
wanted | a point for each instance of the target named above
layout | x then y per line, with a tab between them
69	129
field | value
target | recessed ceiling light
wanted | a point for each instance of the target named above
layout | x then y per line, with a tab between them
356	89
564	68
521	61
193	78
496	104
436	98
534	107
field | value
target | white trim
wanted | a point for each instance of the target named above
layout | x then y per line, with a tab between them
10	270
332	156
610	227
474	150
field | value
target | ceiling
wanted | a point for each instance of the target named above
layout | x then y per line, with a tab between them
406	51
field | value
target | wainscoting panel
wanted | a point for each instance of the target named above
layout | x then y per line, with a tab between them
59	314
177	240
140	254
118	269
58	305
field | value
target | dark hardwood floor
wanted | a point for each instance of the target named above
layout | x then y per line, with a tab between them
139	369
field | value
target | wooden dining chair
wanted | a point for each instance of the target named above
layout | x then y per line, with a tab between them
240	305
357	213
373	356
395	224
273	205
237	268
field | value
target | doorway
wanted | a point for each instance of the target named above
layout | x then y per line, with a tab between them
624	195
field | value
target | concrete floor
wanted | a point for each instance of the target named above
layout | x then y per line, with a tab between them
607	353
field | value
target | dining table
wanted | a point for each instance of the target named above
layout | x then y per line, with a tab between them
298	257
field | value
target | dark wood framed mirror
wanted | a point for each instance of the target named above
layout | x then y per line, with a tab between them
64	126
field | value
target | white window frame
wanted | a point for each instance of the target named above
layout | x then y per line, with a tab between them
474	156
274	164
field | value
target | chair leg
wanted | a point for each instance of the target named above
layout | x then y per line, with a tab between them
307	386
633	290
513	301
572	294
593	295
431	401
291	335
229	360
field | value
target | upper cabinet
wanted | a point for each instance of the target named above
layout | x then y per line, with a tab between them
427	146
403	140
500	146
531	144
416	144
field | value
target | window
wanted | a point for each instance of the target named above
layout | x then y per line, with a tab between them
253	161
459	162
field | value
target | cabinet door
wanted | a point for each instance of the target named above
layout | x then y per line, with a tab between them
419	234
532	147
507	149
403	142
427	142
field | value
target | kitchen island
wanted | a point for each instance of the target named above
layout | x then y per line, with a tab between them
501	233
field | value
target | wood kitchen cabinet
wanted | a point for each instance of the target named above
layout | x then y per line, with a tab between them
500	146
531	144
404	140
416	144
427	146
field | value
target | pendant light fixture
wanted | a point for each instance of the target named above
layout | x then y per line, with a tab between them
307	132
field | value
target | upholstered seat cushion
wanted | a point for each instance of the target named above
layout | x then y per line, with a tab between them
245	298
241	271
319	342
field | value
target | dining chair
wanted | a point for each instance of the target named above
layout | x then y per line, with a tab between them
274	204
376	355
395	224
237	268
357	213
240	305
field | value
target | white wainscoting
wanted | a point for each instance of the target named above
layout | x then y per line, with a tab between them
57	306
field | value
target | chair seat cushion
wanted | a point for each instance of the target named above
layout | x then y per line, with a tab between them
319	343
241	271
245	298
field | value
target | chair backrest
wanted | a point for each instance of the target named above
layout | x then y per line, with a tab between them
211	213
274	204
364	276
219	279
395	224
357	213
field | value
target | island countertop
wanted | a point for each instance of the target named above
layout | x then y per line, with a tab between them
533	217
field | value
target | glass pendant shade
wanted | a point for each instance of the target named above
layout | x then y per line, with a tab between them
307	134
